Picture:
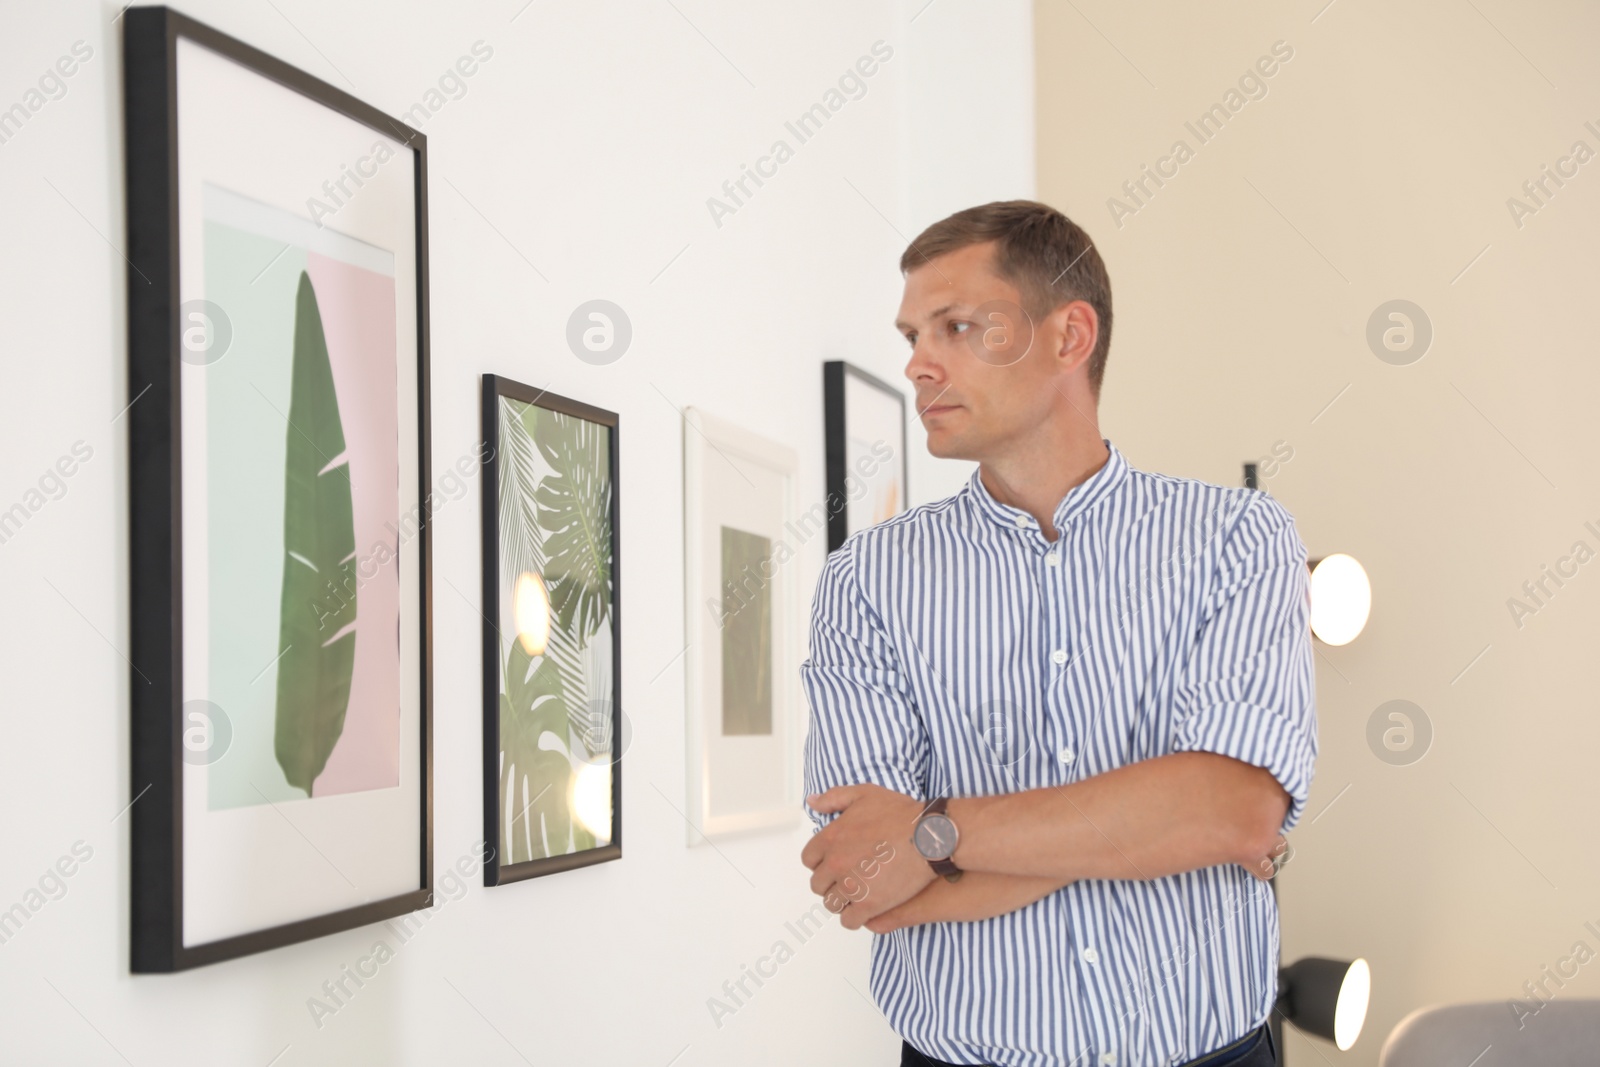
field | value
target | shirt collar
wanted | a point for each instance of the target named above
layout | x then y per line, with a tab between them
1078	501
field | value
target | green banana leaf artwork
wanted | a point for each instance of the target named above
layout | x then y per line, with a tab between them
318	606
558	527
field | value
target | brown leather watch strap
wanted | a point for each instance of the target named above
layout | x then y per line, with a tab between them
944	867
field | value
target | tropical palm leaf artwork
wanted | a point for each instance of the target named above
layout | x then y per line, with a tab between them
316	629
572	512
554	498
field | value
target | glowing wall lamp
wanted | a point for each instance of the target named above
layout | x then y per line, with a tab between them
1341	598
1341	595
1325	997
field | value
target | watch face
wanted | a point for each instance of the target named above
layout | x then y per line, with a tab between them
935	837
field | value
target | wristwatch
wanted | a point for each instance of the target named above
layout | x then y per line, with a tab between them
935	837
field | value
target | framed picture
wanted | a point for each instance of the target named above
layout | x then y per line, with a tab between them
864	429
740	536
552	636
278	473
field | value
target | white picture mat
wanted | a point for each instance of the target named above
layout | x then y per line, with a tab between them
252	868
738	784
255	217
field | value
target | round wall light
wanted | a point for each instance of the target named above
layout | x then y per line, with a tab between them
1341	598
1326	997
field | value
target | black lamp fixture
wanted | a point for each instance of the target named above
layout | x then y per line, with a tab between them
1341	595
1324	997
1327	998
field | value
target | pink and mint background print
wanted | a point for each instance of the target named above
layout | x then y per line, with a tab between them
302	483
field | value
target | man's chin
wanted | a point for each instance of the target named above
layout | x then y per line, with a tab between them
945	446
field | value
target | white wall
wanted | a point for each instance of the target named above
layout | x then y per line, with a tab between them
1379	166
589	143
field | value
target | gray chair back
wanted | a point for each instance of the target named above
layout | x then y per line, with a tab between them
1562	1033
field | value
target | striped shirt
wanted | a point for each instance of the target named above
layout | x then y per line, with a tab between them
957	652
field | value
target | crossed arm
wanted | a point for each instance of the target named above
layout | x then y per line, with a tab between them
1246	702
1144	820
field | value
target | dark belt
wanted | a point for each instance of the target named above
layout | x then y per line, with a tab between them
1236	1050
1228	1053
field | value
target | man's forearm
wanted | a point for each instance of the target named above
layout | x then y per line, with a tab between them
1142	820
977	895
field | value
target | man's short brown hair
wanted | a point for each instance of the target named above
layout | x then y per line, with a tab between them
1043	253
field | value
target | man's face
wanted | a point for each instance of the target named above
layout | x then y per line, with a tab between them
982	369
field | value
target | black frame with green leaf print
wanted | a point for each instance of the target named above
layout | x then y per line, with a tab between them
157	350
836	448
568	508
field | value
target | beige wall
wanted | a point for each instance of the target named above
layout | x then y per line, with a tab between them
1378	166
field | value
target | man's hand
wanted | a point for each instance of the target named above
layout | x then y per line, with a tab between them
850	868
1265	868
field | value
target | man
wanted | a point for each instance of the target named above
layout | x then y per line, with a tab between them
1073	704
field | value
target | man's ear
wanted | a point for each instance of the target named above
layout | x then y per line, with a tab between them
1078	327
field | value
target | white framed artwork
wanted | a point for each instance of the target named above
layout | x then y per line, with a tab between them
742	626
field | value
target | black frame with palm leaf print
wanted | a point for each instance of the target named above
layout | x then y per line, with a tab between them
570	509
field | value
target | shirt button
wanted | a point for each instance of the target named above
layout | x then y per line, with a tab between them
1059	655
1091	956
1053	559
1108	1058
1021	520
1067	755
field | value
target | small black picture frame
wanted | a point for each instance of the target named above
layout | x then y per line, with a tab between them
159	347
560	533
837	378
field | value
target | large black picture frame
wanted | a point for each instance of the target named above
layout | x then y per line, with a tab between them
150	55
501	866
835	373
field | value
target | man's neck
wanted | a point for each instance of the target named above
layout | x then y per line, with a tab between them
1037	480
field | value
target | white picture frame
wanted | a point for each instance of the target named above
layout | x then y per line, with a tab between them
742	747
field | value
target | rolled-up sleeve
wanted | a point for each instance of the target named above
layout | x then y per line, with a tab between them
865	725
1248	689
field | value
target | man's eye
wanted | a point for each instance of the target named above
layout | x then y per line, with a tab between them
911	339
959	327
